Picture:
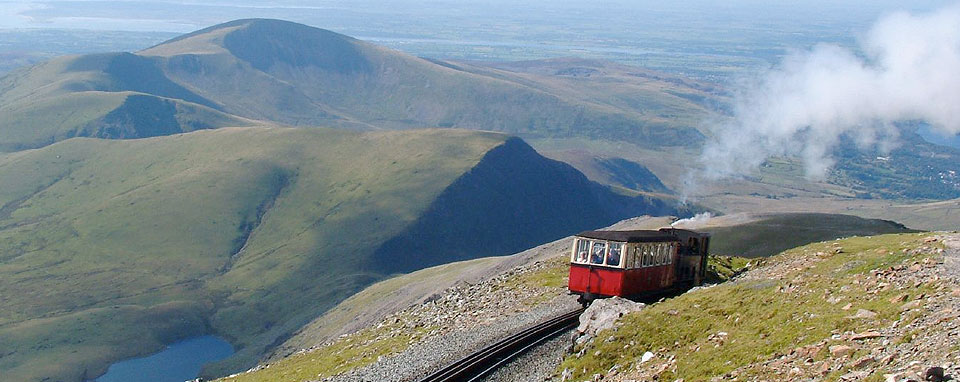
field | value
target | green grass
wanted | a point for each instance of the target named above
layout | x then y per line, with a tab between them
762	318
346	353
362	347
77	346
722	268
553	275
88	224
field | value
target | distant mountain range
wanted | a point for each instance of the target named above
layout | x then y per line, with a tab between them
228	217
292	74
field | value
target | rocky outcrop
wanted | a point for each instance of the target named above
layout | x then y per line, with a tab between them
603	314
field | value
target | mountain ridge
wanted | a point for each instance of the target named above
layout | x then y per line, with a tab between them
285	73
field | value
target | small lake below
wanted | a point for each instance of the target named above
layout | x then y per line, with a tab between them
179	362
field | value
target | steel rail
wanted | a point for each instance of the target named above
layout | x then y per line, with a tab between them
484	361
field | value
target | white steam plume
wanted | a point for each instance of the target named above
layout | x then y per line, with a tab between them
908	69
694	222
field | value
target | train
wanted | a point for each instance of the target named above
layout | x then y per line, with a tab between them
636	264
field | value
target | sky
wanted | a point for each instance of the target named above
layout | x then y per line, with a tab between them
185	16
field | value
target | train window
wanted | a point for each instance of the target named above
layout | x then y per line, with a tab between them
599	250
635	258
647	255
582	251
670	253
613	255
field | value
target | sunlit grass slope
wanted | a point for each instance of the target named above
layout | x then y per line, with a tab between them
114	95
107	248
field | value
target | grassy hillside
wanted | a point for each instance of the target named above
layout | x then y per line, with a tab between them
829	310
345	81
232	226
118	95
247	232
293	74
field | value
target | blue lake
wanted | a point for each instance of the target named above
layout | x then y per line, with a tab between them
179	362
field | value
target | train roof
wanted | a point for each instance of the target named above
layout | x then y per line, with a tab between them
644	236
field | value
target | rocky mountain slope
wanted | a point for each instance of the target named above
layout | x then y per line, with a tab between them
397	329
881	308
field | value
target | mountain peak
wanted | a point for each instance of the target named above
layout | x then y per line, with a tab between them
267	42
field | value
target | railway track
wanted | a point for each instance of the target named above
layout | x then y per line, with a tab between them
481	363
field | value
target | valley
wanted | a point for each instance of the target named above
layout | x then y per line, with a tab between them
250	232
314	199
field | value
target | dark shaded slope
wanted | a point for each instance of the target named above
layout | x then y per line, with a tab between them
774	233
631	175
264	43
512	200
130	72
142	116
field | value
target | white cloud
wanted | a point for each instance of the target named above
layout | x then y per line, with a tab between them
909	69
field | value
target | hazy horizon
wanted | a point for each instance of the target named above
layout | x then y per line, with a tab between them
704	39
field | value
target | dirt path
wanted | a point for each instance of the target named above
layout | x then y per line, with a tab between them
951	257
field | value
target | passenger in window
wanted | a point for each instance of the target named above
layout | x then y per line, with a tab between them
613	257
598	251
583	251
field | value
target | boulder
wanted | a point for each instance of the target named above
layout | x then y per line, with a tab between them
841	350
603	314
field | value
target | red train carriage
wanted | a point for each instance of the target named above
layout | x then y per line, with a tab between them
636	263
